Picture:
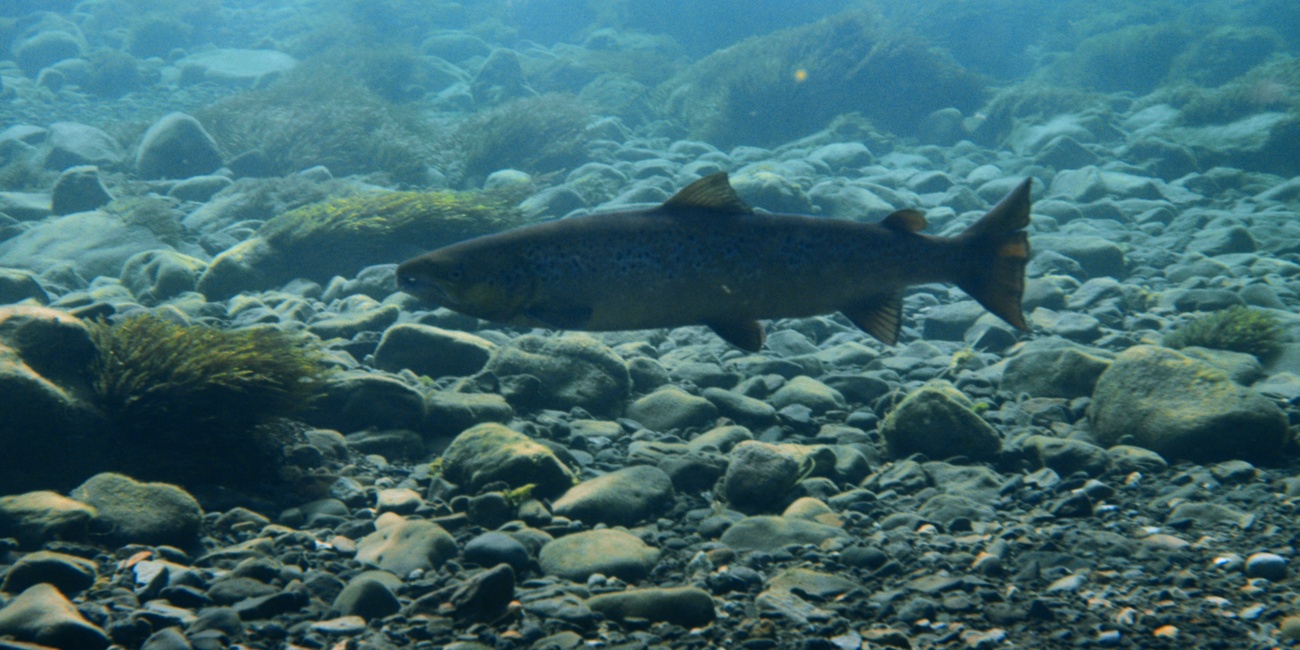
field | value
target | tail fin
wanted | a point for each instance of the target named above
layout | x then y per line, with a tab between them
997	249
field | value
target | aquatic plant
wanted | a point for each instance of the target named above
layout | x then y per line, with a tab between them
373	224
316	115
194	403
155	213
535	134
1239	329
1135	58
774	88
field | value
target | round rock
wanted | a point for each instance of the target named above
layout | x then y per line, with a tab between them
759	477
685	606
608	552
672	408
432	351
78	189
142	513
769	533
621	498
939	421
176	146
43	615
401	545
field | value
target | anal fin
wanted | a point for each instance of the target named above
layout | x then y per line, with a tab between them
881	317
747	335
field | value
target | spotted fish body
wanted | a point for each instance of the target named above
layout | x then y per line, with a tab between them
704	257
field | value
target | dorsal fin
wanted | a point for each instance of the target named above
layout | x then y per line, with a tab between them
905	221
712	193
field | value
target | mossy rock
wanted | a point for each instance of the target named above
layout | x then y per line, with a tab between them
1237	329
491	452
343	235
775	88
1183	408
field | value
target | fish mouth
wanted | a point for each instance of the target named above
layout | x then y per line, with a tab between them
422	287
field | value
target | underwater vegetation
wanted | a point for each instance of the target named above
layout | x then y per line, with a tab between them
317	116
157	214
1239	329
192	402
344	234
538	134
772	89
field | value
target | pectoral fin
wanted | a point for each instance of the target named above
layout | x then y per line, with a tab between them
880	317
745	334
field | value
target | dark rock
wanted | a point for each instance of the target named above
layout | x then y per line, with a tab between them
685	606
493	548
486	596
143	513
369	595
78	189
938	421
432	351
68	573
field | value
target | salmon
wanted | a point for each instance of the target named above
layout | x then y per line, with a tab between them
705	257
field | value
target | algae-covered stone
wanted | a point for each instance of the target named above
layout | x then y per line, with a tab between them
620	498
69	573
142	513
1054	369
561	373
760	474
939	421
491	452
672	408
1183	408
606	551
401	545
684	606
769	533
344	235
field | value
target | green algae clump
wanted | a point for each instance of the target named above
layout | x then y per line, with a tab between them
342	235
1239	329
194	403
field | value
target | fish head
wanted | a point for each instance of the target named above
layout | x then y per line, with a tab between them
478	285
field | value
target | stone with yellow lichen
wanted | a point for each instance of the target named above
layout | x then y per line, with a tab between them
1183	408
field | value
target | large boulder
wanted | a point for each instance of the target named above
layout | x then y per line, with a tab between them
1183	408
176	146
561	373
51	433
